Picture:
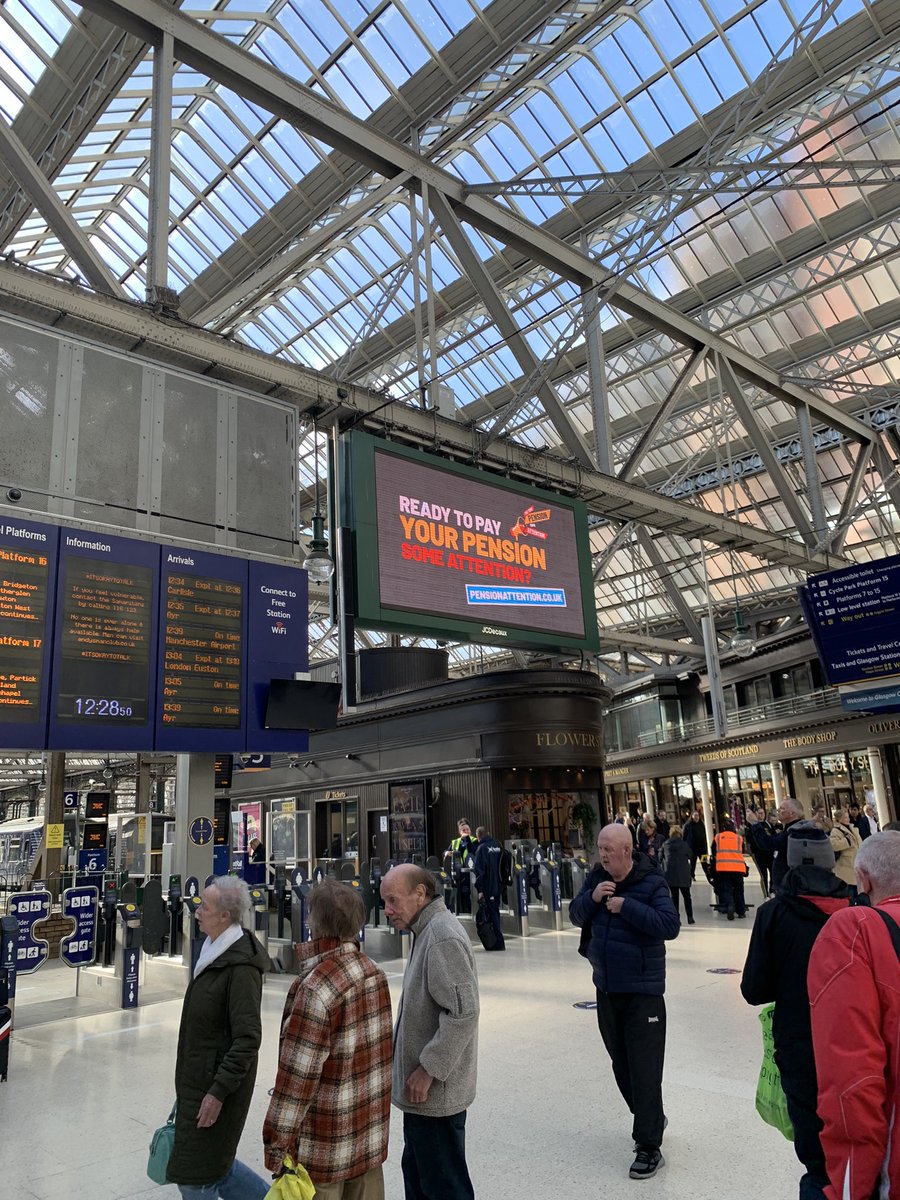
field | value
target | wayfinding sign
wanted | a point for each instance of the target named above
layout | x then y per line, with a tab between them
854	617
29	908
79	948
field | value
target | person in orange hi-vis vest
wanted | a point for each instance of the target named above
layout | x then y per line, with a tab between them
730	869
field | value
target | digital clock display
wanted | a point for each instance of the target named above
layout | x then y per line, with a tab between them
101	706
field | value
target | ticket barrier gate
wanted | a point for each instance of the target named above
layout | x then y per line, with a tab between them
174	905
108	924
572	874
130	916
299	911
516	919
549	914
259	898
9	934
196	938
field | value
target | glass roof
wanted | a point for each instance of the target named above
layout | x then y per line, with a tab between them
733	160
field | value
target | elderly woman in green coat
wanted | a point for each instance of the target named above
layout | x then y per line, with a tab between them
217	1051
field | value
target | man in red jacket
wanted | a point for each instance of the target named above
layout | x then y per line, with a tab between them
854	993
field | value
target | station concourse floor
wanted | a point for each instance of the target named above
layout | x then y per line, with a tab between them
85	1092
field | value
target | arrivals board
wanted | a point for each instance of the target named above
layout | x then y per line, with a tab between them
104	645
27	568
201	678
114	643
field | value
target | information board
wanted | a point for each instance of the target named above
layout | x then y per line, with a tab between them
27	568
114	643
854	617
277	647
104	646
200	703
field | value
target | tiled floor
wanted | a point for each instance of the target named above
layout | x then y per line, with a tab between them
85	1092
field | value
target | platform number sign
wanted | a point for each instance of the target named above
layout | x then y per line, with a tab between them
29	908
79	948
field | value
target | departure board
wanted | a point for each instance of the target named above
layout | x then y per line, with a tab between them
105	643
201	670
27	568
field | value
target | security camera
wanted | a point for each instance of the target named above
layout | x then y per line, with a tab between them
342	393
13	495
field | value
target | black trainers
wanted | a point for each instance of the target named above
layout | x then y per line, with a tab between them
646	1163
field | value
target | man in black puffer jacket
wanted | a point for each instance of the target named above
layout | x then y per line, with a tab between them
782	940
625	913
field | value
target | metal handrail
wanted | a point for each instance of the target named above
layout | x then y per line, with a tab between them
789	706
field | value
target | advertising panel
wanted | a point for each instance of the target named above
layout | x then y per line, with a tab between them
450	548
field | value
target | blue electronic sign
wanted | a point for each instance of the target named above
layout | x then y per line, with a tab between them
854	618
109	642
104	644
79	948
278	647
201	677
27	571
28	908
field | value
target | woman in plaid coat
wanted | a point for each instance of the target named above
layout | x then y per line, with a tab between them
330	1107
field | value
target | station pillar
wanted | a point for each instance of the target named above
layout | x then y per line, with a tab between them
879	786
707	809
777	785
194	810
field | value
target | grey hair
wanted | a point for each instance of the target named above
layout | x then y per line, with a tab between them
234	897
879	857
794	805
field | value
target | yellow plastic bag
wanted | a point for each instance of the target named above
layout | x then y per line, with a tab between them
293	1183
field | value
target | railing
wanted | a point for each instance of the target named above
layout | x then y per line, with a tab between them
756	714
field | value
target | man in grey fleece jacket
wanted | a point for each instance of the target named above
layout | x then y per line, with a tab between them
435	1038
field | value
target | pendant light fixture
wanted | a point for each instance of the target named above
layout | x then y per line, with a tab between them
318	563
742	642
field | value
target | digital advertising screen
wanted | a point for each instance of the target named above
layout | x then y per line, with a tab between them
27	572
104	645
200	703
452	549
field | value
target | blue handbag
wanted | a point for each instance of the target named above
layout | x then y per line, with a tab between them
161	1149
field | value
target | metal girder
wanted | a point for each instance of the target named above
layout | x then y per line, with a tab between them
773	175
71	236
835	539
648	437
260	83
757	434
661	567
224	312
860	40
503	319
641	641
89	67
467	57
125	326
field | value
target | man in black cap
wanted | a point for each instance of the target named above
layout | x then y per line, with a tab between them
780	946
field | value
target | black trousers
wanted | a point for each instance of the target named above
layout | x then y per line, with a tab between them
492	905
633	1028
730	890
688	905
801	1094
434	1158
